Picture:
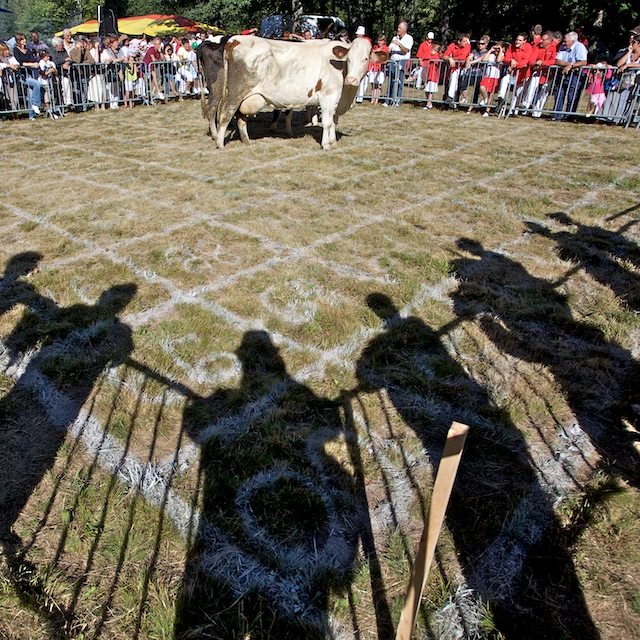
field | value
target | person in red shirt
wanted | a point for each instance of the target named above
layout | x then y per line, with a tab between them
492	59
516	59
431	74
543	56
376	70
535	35
456	55
424	50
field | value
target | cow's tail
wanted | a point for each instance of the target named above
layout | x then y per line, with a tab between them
224	91
202	80
203	97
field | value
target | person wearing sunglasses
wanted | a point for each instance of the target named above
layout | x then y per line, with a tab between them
632	59
28	74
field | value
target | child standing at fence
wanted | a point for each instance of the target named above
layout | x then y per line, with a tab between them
376	71
431	74
595	89
47	69
131	75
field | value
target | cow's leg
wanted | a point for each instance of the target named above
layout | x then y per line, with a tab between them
249	106
328	126
287	123
242	128
274	120
333	141
212	125
224	118
328	130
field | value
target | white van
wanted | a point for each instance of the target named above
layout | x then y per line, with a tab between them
325	26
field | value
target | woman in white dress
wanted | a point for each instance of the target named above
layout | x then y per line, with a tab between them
97	92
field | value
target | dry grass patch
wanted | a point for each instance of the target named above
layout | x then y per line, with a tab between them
262	409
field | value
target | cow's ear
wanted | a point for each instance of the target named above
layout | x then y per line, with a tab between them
340	52
379	56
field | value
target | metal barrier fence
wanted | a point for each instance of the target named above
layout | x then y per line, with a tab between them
98	86
602	93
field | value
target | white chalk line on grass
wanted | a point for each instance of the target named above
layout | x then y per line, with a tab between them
246	326
298	253
96	249
290	589
363	336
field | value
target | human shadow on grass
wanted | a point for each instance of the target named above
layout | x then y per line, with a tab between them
14	289
607	256
57	355
529	319
279	521
497	482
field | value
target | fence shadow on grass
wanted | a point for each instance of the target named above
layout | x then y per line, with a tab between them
529	319
279	521
57	355
607	256
429	389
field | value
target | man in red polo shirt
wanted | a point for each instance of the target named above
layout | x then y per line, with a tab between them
543	56
456	55
516	59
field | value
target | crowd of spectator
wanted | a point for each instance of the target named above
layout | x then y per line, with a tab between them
82	73
539	71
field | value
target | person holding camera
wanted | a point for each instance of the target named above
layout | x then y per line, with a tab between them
400	52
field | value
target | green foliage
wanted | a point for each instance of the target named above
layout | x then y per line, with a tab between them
445	17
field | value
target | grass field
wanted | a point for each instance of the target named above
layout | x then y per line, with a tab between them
227	376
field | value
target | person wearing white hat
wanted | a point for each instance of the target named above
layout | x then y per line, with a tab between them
424	53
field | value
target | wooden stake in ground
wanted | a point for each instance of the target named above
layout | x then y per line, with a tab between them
439	500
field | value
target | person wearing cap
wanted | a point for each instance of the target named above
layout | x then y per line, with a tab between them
473	71
400	51
635	32
424	53
424	50
364	83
